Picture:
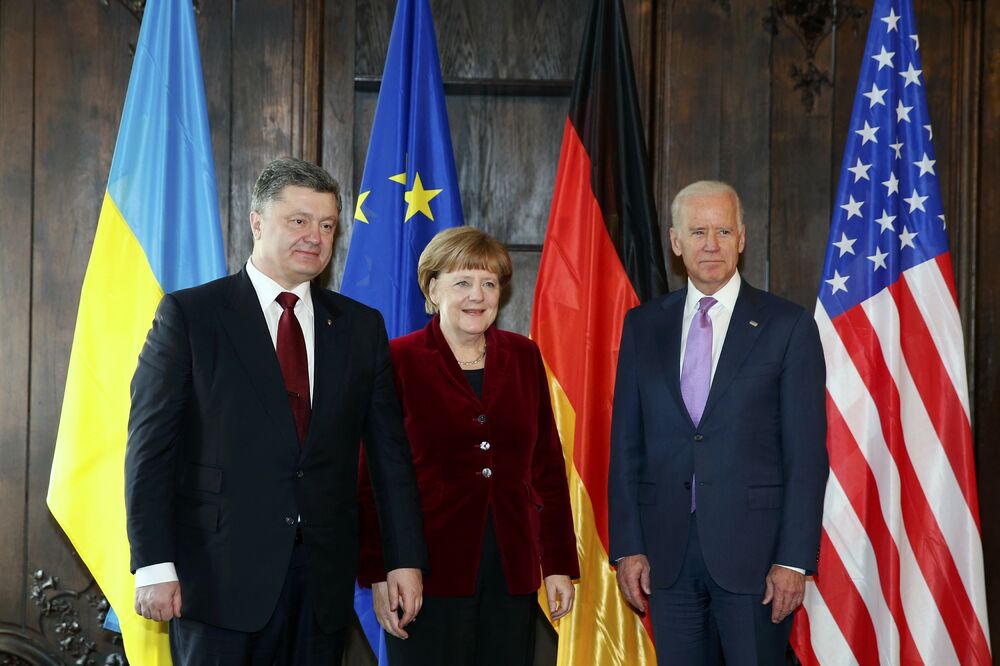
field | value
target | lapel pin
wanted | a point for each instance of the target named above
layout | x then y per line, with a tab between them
329	322
754	324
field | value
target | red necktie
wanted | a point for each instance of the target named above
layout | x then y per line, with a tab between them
294	363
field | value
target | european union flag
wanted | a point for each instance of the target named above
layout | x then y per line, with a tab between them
409	190
408	193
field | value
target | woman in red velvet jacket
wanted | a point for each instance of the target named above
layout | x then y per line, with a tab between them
489	466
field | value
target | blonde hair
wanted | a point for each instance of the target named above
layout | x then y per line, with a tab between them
461	248
703	188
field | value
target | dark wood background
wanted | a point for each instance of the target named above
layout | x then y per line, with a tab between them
300	77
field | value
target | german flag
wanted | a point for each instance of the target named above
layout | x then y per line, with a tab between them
602	256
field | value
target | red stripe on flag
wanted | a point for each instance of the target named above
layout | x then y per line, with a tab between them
947	273
937	392
929	546
845	603
848	464
581	298
801	640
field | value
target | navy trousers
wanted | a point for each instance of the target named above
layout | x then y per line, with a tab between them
687	615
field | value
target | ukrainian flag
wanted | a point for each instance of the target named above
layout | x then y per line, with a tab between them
158	231
409	192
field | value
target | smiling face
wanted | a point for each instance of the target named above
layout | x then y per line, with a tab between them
293	235
468	300
709	239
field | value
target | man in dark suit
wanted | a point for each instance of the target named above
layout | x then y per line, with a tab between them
249	403
718	459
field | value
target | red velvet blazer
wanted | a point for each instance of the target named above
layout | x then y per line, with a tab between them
501	454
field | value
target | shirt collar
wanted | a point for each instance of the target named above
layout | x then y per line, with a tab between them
726	296
268	290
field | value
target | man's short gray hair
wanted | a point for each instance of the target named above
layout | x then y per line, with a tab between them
285	171
703	188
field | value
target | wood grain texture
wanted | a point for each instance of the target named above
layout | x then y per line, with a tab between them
262	109
713	116
80	83
338	125
16	130
986	423
802	178
515	39
744	131
214	25
964	165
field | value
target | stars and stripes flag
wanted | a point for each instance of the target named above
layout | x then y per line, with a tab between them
900	575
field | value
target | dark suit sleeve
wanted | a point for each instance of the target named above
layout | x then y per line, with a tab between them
387	453
548	472
160	390
803	443
627	453
371	568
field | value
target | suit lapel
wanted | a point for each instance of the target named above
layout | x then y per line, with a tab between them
740	339
244	323
331	364
670	345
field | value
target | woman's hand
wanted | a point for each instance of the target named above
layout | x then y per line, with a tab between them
560	591
387	617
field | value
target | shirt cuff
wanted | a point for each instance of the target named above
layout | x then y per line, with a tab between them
783	566
164	572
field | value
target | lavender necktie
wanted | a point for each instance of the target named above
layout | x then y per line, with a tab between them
696	375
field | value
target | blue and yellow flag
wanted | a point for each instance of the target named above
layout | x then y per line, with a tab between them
409	190
408	193
158	231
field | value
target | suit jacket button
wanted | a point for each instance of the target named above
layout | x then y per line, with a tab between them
698	437
289	520
487	472
485	446
481	418
299	474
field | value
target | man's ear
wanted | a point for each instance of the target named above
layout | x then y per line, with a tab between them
255	222
675	243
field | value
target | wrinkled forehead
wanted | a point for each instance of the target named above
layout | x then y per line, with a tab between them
717	209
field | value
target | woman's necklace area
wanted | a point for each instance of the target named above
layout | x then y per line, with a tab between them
482	355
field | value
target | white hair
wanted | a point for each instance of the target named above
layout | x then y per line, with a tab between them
703	188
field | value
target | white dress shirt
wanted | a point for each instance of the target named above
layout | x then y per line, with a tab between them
267	290
721	313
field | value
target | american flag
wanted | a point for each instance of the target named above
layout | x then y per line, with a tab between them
900	577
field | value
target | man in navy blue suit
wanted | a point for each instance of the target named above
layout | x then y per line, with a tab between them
718	458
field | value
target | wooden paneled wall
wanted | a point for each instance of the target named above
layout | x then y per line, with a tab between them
300	77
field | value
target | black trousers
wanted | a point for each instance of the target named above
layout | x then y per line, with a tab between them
490	628
690	617
291	637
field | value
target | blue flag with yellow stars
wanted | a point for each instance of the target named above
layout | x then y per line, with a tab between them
409	190
408	193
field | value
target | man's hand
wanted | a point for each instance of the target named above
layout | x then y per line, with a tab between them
405	591
160	602
560	592
633	580
387	618
785	588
